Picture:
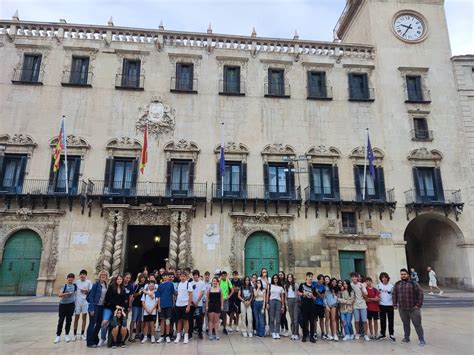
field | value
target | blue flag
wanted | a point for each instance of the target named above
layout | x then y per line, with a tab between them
222	158
370	158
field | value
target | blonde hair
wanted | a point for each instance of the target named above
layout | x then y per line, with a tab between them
103	272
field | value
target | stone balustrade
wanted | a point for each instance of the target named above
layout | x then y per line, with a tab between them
161	37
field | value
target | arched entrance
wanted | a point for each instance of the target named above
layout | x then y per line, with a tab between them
20	264
261	250
432	241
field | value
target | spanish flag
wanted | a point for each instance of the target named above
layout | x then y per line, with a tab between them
60	146
144	154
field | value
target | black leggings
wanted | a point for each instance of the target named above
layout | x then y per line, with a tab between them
66	310
284	320
386	312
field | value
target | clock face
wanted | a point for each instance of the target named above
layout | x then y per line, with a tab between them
409	27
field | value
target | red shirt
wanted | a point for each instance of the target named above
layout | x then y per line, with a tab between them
372	306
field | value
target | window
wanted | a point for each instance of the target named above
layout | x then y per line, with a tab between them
120	176
79	71
12	173
317	84
325	184
428	184
181	178
421	128
232	179
231	80
348	224
374	188
57	180
184	76
358	86
276	82
414	88
280	180
131	73
31	68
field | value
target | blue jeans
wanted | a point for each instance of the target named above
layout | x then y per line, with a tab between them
107	314
347	321
259	318
94	326
275	316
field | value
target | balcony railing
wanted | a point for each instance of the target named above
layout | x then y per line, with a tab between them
38	187
349	195
421	135
433	197
357	94
228	87
354	229
184	85
256	192
129	82
277	90
146	189
77	78
319	92
28	76
418	96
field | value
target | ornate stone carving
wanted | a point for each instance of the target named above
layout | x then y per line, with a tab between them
261	217
181	149
323	151
159	117
24	213
359	153
71	141
17	139
278	149
425	154
149	215
105	259
184	247
123	145
173	253
194	59
118	244
233	148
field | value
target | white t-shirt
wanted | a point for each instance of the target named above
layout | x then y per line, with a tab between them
291	292
432	276
275	292
197	287
150	301
385	296
80	296
359	290
183	290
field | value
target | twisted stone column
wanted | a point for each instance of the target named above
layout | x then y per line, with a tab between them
105	259
183	242
173	253
117	255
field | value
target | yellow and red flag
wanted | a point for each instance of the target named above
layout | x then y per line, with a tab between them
60	146
144	154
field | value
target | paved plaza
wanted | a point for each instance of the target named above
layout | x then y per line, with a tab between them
448	331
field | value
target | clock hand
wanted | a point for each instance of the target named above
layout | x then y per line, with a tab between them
408	28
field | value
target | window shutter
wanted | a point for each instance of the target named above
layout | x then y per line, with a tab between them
351	85
133	186
335	182
237	79
75	178
311	180
323	85
357	183
266	179
291	181
169	169
365	84
218	179
21	175
109	162
380	183
2	160
191	178
417	185
309	84
52	177
439	184
243	180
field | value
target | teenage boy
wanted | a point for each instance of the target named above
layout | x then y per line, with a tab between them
184	300
66	307
373	308
234	302
83	286
308	294
199	287
360	306
207	286
165	296
227	292
149	303
318	306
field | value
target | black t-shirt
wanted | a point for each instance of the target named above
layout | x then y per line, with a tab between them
137	301
236	283
305	288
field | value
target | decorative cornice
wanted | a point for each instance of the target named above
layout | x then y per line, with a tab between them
18	139
323	151
425	154
123	143
72	141
359	153
231	58
278	149
233	148
181	146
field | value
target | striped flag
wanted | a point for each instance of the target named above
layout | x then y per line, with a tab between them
60	146
144	154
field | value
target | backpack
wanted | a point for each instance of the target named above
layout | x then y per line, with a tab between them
65	286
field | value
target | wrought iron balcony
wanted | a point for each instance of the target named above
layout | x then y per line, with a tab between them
355	229
358	94
319	92
129	82
232	88
38	187
28	76
421	135
77	78
256	192
348	195
277	90
180	85
447	200
418	96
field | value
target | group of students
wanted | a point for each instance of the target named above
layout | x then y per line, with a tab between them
184	303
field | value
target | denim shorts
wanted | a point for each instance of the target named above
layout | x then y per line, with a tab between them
360	314
107	314
137	314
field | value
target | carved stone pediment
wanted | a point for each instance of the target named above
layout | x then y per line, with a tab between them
323	151
18	139
158	116
425	154
72	141
359	153
233	148
278	149
123	145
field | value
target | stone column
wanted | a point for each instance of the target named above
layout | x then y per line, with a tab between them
173	253
106	255
118	243
183	243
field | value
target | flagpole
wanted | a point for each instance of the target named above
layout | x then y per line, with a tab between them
64	138
220	163
365	163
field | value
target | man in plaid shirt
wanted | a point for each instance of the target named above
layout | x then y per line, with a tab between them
408	298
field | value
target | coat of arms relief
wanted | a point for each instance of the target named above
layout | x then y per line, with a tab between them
159	117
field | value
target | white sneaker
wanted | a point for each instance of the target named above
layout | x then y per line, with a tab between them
285	333
346	337
330	337
153	340
230	330
336	338
74	338
441	292
67	338
273	335
145	339
178	338
83	337
297	337
430	293
352	337
186	339
357	336
277	335
168	340
160	340
250	335
237	329
244	334
57	339
366	337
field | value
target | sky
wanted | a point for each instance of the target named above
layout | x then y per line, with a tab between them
313	19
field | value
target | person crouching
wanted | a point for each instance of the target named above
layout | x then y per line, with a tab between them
118	329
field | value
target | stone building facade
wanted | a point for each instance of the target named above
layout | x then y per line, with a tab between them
293	114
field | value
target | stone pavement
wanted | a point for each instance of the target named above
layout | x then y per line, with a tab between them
448	332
